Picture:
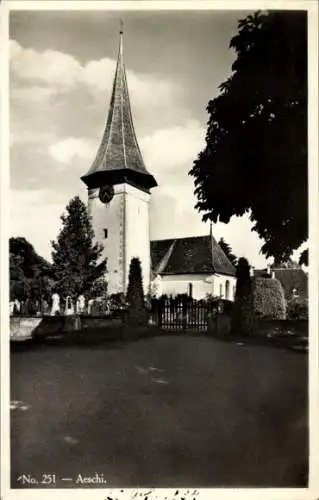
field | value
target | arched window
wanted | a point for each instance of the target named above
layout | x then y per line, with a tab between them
227	290
221	290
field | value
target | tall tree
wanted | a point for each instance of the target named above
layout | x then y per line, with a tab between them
75	256
30	274
137	313
228	251
255	159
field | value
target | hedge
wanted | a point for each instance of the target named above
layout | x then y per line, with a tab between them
269	298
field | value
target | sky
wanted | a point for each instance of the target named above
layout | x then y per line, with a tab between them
62	66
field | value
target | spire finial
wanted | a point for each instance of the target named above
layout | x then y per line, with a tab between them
121	36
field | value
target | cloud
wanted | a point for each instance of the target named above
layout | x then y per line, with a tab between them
98	76
62	72
53	92
173	150
31	210
49	67
67	149
36	94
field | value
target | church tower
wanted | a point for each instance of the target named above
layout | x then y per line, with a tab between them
119	190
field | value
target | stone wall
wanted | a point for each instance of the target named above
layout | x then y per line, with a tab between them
26	327
221	325
285	326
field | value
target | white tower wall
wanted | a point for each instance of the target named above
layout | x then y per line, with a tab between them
137	235
126	219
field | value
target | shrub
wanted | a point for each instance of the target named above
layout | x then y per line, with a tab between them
243	316
227	306
137	314
297	308
222	306
269	299
117	302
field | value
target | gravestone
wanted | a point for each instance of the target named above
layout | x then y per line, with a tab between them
11	307
69	307
80	304
17	306
55	309
90	305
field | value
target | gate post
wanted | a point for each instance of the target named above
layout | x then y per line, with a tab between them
184	312
159	311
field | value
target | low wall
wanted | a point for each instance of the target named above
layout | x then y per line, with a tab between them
88	322
221	325
26	327
284	327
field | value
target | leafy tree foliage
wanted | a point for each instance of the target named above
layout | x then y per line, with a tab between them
30	274
137	313
228	251
75	256
303	259
255	159
243	317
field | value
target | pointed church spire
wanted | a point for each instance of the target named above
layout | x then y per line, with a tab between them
119	158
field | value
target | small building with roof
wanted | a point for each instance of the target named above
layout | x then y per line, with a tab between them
195	265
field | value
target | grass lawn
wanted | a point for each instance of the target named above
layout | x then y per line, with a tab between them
162	412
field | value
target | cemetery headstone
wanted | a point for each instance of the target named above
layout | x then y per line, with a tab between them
11	307
69	307
80	304
55	304
90	305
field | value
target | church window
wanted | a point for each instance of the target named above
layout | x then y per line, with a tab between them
105	233
227	290
221	290
190	289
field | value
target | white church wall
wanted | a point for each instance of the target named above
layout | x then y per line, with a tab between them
202	285
137	232
176	284
224	286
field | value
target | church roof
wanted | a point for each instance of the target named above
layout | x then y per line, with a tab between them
192	255
119	155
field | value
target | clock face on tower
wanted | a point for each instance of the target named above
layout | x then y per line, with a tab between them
106	193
